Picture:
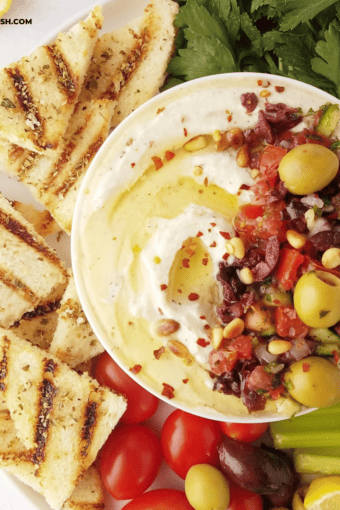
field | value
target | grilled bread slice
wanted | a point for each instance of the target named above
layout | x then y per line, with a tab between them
55	180
31	274
42	221
74	341
39	92
62	418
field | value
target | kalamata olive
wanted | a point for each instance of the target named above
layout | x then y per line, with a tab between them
314	382
317	299
206	488
308	168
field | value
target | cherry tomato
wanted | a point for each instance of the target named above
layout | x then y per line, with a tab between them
130	460
241	499
140	403
246	432
160	499
188	439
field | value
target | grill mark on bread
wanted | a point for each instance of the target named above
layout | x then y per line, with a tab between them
65	78
47	391
16	228
26	102
88	427
3	363
13	282
39	311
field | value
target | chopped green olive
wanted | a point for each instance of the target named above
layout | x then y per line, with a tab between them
317	299
308	168
314	382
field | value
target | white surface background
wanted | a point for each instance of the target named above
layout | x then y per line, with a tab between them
15	42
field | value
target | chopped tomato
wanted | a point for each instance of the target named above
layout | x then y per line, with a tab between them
276	393
222	361
288	323
259	379
269	162
252	225
242	345
252	211
289	262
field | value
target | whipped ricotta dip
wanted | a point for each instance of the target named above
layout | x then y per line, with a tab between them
155	219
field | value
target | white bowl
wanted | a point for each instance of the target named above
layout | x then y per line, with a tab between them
134	141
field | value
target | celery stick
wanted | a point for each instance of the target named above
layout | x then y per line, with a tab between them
325	461
327	349
316	429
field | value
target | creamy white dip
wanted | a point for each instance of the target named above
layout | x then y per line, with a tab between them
137	224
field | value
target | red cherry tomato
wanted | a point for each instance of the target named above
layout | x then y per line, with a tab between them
160	499
241	499
246	432
188	439
140	403
130	460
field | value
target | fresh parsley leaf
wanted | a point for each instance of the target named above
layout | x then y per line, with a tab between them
252	32
204	57
305	11
328	62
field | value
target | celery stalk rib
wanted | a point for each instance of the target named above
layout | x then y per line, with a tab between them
317	460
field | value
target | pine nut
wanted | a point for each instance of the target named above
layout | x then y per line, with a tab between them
195	144
279	346
178	349
237	247
166	327
331	258
265	93
310	218
295	239
243	156
246	276
216	337
234	328
198	170
216	135
235	137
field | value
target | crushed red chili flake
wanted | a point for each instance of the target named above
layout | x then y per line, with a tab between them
163	286
213	245
207	327
279	89
206	182
186	262
185	132
202	342
160	311
185	381
193	296
259	82
169	155
213	224
179	291
157	161
133	164
225	256
168	391
201	191
158	352
305	367
160	110
203	317
230	118
226	235
136	369
199	234
205	261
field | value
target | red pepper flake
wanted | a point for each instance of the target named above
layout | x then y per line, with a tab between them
225	256
185	381
206	182
336	357
279	89
193	296
186	262
203	317
133	164
199	234
202	342
201	191
213	245
213	224
179	291
169	155
259	82
207	327
160	110
205	261
157	161
185	132
230	118
305	367
163	286
168	391
226	235
158	353
160	311
136	369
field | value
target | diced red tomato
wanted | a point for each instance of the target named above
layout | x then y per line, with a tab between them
253	226
289	262
269	162
242	345
222	361
276	393
252	211
288	323
259	379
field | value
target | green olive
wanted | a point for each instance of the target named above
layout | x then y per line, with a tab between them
314	382
206	488
317	299
308	168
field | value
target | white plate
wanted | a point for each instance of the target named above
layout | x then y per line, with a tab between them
14	495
